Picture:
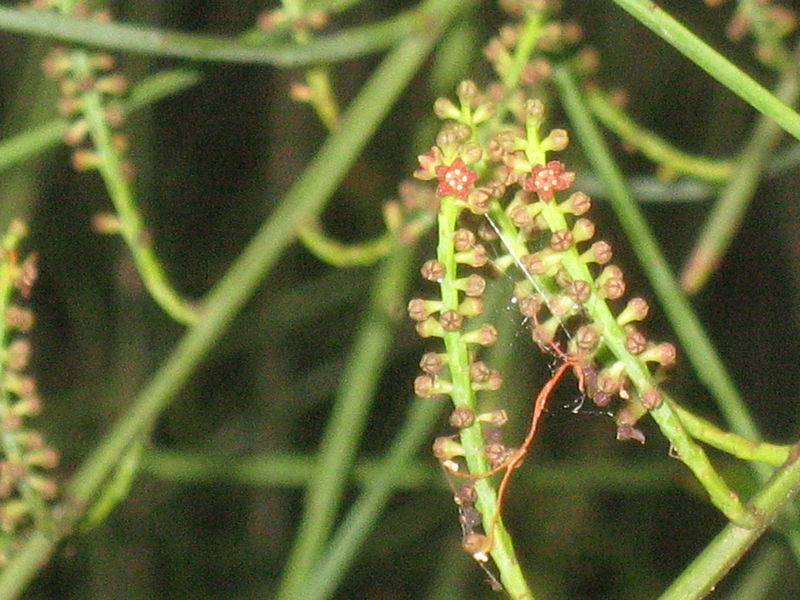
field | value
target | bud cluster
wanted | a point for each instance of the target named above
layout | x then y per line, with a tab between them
88	87
24	456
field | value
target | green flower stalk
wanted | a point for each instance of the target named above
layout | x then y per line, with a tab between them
88	86
25	489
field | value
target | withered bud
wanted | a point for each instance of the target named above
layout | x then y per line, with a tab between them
431	363
463	239
461	417
611	379
651	399
496	453
26	275
469	518
561	240
629	432
471	307
534	71
451	320
423	386
432	270
466	495
477	545
635	310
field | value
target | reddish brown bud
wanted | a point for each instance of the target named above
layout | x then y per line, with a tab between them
496	453
451	320
577	204
461	417
431	363
474	285
419	309
477	545
471	307
497	418
432	270
664	354
430	327
635	310
587	337
474	257
579	291
561	240
635	342
651	399
447	447
485	336
463	239
479	371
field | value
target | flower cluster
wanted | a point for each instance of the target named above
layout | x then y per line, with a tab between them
88	86
24	487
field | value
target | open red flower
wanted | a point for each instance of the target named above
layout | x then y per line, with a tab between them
549	178
455	179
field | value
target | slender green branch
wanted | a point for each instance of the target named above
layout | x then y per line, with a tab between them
131	226
336	454
729	546
712	62
337	254
358	523
305	199
358	41
36	140
726	217
731	443
652	146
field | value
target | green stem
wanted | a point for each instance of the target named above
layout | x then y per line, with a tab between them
358	41
730	545
28	144
726	217
337	254
119	190
712	62
652	146
304	199
350	409
463	396
733	444
358	523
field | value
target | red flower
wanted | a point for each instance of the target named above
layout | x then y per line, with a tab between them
455	179
546	179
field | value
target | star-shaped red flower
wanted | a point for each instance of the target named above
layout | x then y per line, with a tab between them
549	178
455	179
